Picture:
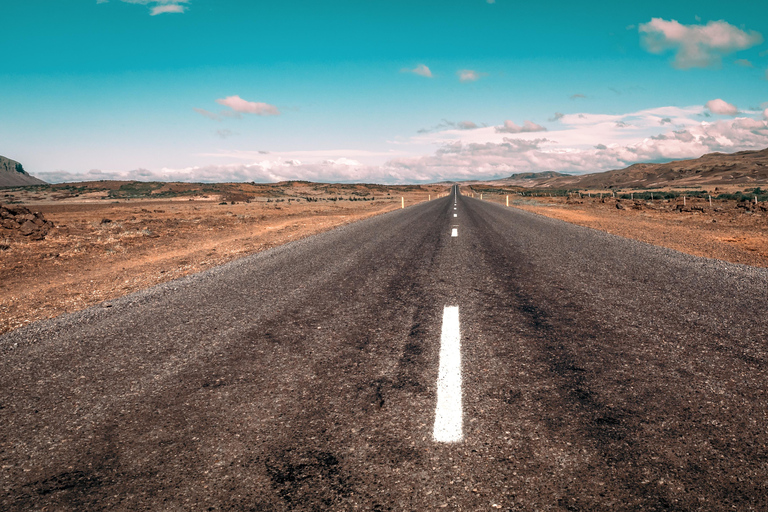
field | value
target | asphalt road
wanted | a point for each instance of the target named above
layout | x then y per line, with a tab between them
597	373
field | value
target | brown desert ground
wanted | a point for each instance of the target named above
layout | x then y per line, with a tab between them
111	239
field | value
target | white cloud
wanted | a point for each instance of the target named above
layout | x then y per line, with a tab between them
580	142
721	107
462	160
264	171
466	125
528	126
240	105
162	9
744	63
468	75
421	70
696	46
157	6
585	142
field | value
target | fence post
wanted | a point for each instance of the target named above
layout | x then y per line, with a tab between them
402	202
710	201
507	199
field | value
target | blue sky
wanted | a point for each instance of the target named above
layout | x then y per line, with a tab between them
387	91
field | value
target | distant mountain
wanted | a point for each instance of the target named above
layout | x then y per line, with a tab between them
712	169
12	174
536	175
524	179
744	167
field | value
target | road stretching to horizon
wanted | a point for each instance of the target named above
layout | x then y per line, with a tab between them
467	356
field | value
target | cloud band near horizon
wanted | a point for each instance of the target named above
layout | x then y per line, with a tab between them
582	143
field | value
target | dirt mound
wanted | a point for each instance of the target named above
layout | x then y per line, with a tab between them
20	221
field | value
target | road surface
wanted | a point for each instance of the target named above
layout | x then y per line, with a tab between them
467	357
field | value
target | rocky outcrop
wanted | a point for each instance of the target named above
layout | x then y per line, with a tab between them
12	174
19	221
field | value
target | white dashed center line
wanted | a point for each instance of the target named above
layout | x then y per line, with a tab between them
455	232
448	412
455	214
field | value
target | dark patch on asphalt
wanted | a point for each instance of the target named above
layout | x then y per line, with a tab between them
78	482
411	361
215	383
580	410
312	480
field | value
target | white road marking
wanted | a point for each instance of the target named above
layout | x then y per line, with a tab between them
455	232
455	214
448	412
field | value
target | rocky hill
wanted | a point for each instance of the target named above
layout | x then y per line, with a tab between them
742	168
526	179
712	169
12	174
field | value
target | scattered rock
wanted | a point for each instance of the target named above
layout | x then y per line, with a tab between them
18	220
28	228
620	205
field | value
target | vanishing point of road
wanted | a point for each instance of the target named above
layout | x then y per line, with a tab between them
455	354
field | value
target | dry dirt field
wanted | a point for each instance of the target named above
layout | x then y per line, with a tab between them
103	246
727	230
